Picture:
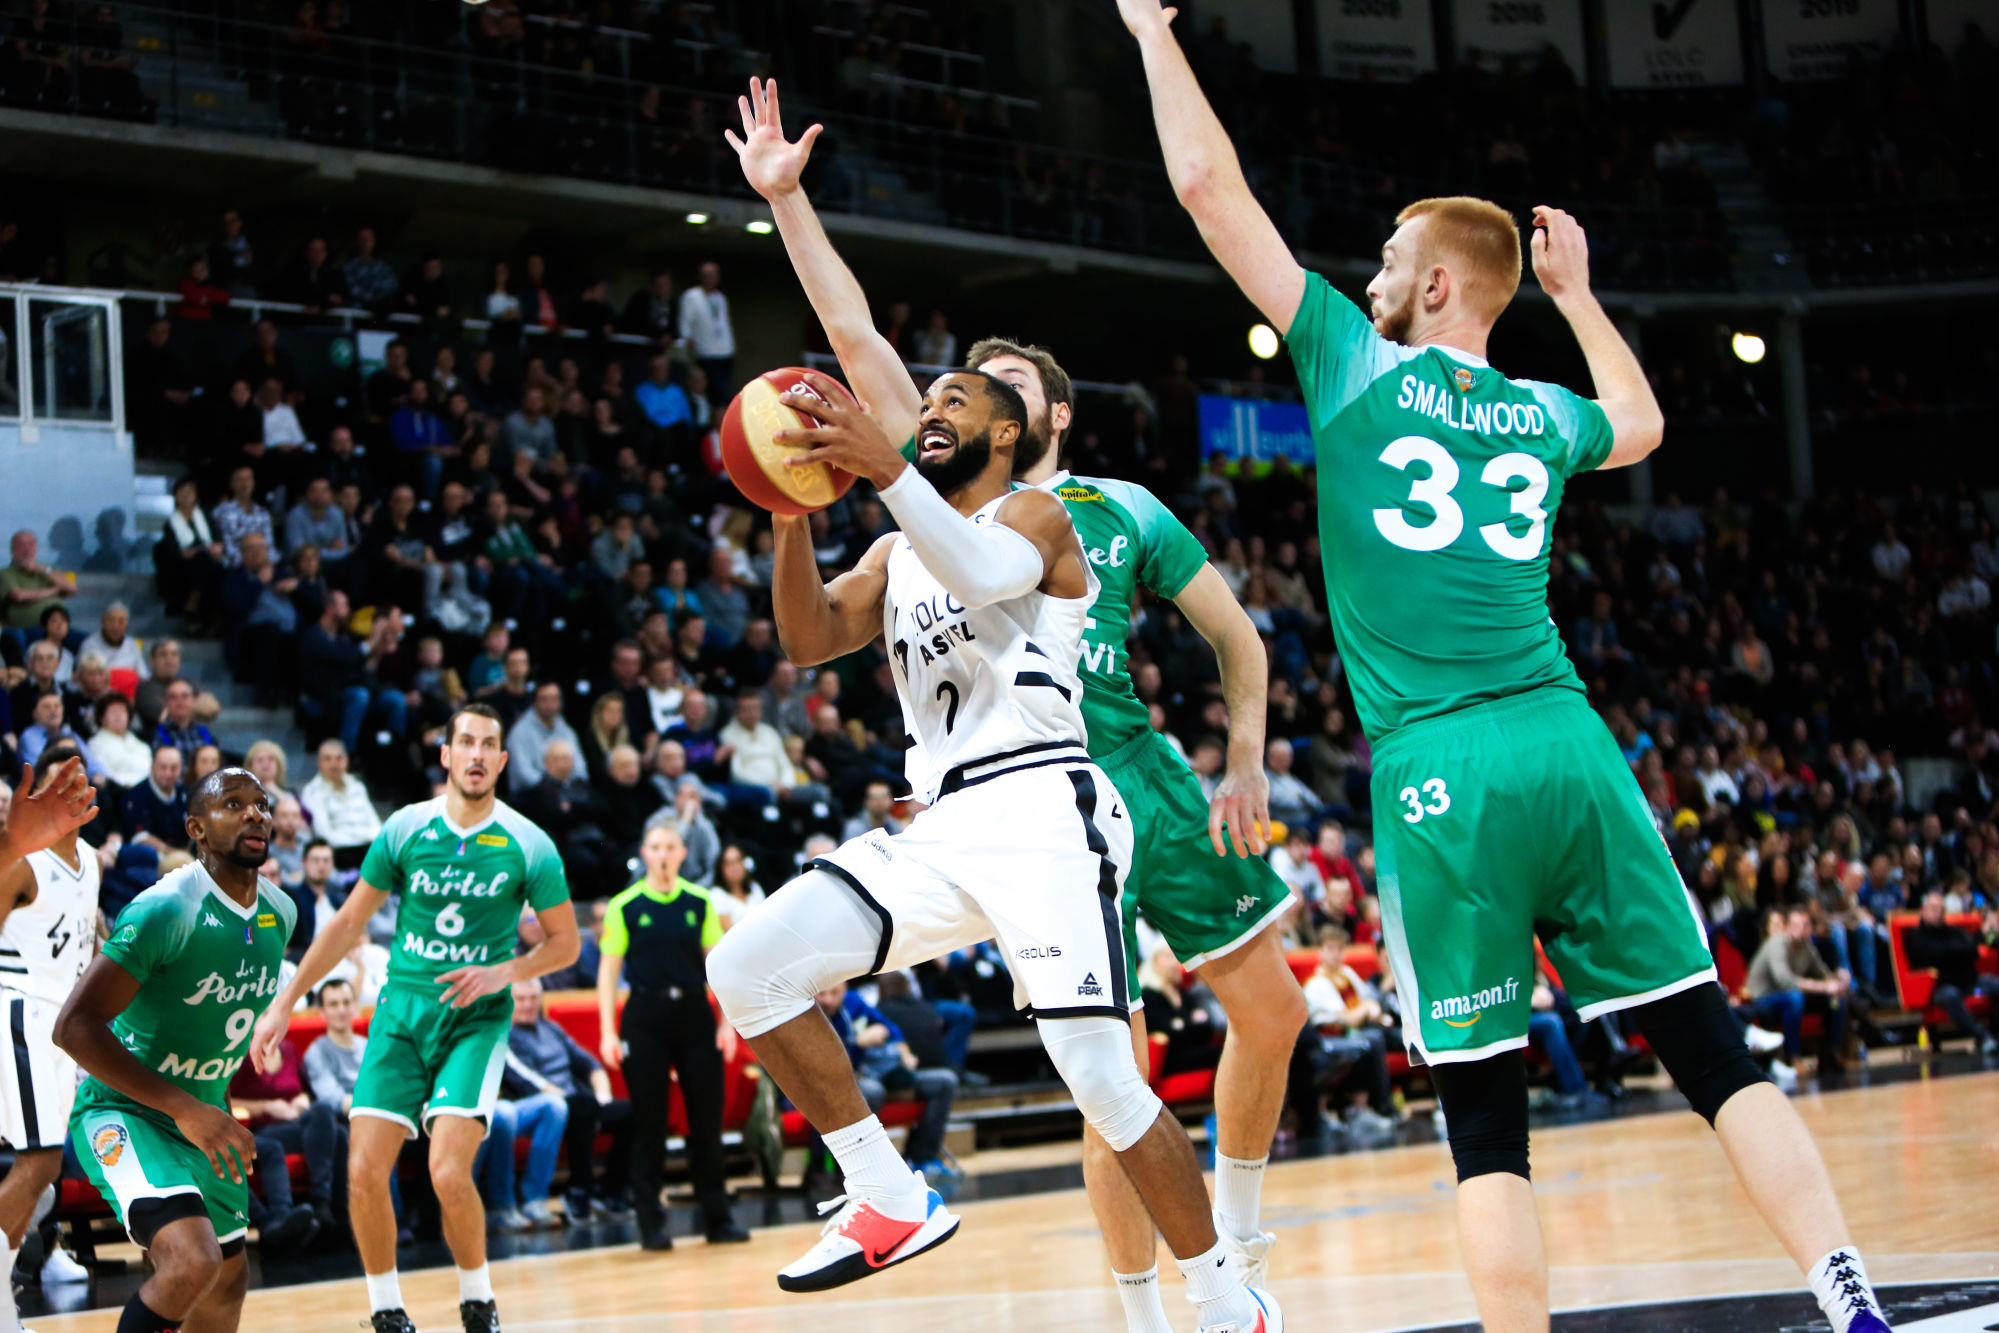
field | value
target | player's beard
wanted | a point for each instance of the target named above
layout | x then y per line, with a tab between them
1035	442
964	465
239	855
1394	324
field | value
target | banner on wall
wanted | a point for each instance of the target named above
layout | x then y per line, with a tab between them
1250	430
1500	33
1806	40
1378	41
1676	44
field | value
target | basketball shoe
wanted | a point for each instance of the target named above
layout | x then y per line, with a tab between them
862	1238
1252	1256
1269	1317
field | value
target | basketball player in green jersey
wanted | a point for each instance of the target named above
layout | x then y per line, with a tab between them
160	1021
1503	807
464	864
1214	909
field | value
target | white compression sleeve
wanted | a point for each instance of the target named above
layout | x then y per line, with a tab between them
978	564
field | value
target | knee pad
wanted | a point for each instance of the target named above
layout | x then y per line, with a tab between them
1093	1055
773	963
1700	1043
1485	1112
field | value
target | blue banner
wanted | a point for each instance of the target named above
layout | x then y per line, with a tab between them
1250	430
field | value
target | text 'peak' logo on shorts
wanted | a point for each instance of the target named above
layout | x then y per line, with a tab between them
107	1145
1090	985
1461	1011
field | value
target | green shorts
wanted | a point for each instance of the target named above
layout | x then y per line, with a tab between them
1205	905
425	1060
131	1156
1507	820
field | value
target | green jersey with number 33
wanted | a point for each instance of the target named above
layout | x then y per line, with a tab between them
206	967
1438	483
462	889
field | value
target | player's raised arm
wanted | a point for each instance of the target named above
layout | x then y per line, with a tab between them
1242	801
773	167
1561	265
328	947
1207	175
40	814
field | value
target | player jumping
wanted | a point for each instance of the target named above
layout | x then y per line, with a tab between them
160	1022
1505	806
1216	914
982	598
464	864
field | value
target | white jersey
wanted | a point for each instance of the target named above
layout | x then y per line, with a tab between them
45	945
987	690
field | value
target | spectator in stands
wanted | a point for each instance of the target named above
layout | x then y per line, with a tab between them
371	283
757	761
1290	799
877	812
120	650
152	700
528	431
125	758
342	812
44	660
1787	977
724	603
207	759
426	294
663	402
340	676
702	846
233	258
1890	556
47	728
545	1062
710	334
529	738
317	522
1336	996
314	280
284	1119
29	587
419	434
199	297
159	393
1548	1033
240	515
288	838
884	1065
617	547
1951	956
188	559
735	892
513	695
935	344
651	311
156	809
259	620
179	727
566	807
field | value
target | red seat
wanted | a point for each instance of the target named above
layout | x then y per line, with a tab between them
1915	988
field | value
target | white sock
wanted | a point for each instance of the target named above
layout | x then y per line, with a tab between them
1218	1294
1839	1281
10	1316
1144	1312
475	1284
873	1169
1239	1194
384	1291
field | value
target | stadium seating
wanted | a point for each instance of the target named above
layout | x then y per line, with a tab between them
1914	988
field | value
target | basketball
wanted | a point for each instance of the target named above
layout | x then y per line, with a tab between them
756	461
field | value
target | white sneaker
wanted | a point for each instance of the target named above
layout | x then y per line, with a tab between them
1785	1075
1269	1318
1252	1256
1762	1040
60	1267
860	1239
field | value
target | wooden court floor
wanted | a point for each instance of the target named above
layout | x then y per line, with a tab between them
1635	1210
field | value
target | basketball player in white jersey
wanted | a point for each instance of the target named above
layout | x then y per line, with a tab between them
48	932
981	598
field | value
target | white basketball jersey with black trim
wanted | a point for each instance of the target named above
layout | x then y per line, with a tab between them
46	944
986	689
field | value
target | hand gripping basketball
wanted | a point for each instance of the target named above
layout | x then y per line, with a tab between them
755	457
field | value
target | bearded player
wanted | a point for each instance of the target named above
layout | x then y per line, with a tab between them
160	1021
465	863
1215	910
1506	807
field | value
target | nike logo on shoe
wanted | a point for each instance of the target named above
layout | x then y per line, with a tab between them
878	1236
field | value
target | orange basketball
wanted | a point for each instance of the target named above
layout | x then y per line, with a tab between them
756	462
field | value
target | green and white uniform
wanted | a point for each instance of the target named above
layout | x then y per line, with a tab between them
1206	906
462	891
1502	805
206	967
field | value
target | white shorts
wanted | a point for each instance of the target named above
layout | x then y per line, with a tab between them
37	1079
1034	858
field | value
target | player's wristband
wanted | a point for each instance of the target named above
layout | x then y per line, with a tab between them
978	563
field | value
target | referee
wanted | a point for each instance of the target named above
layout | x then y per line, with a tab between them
663	927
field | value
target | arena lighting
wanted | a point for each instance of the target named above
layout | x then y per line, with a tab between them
758	228
1747	347
1263	341
698	219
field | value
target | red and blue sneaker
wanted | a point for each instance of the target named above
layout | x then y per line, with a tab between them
1269	1318
862	1237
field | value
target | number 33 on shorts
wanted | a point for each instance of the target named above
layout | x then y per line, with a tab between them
1433	799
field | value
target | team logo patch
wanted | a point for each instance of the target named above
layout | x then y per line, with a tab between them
1463	377
690	918
491	840
1077	493
267	919
1090	985
107	1145
127	934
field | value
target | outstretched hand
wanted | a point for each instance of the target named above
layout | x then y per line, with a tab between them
41	814
1146	17
1561	253
849	438
772	165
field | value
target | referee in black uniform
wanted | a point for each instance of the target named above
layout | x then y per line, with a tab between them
657	935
